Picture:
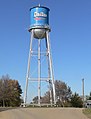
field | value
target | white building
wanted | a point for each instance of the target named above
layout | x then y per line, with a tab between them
88	104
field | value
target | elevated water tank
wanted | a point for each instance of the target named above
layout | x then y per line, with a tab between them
39	21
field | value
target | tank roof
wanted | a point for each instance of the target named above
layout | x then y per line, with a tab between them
39	6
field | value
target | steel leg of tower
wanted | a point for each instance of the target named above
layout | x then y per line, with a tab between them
39	71
50	65
49	74
28	69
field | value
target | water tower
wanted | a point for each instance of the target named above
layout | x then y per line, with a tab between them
39	29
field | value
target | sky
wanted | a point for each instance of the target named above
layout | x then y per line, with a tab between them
70	22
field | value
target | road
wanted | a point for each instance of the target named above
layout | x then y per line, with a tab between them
43	113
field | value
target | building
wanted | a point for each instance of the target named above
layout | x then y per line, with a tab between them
88	104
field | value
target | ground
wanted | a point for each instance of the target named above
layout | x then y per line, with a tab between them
87	112
43	113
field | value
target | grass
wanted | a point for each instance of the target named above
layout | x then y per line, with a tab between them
87	112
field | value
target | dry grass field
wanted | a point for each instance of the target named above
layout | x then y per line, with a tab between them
87	112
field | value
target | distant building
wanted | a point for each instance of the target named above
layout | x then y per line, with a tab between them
85	97
88	104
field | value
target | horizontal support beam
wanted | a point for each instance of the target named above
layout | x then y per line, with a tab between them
34	53
41	79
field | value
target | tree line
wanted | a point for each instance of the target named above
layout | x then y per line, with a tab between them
64	96
10	92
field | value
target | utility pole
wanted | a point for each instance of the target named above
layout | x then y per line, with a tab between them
83	90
